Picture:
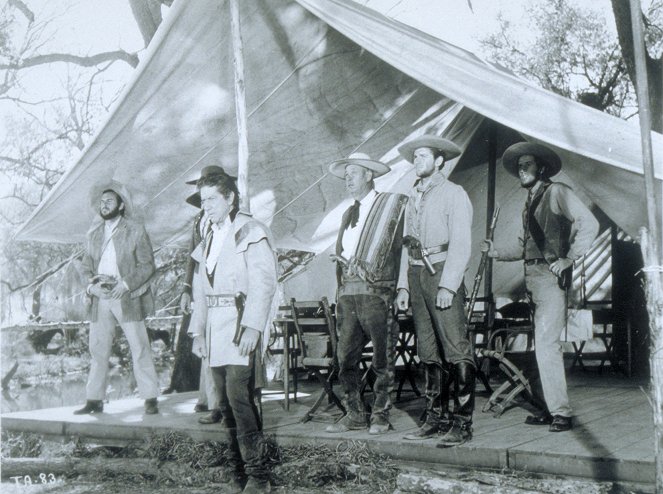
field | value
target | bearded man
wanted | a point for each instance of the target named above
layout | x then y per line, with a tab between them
119	264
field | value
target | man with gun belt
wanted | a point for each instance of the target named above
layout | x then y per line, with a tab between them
557	229
233	291
438	224
368	251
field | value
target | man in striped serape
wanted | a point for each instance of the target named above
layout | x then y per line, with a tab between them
367	252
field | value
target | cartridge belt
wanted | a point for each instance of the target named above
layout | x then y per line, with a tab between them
434	258
222	300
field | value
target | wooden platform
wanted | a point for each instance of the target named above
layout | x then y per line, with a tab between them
612	438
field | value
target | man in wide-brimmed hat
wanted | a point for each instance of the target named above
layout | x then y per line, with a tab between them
208	397
119	264
368	255
438	226
557	229
233	293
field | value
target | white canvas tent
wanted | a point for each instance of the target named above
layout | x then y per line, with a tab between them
325	78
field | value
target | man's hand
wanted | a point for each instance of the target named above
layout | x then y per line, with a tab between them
185	303
444	298
402	300
560	265
249	341
198	346
96	291
118	290
487	246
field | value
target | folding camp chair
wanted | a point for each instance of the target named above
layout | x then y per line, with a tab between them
317	342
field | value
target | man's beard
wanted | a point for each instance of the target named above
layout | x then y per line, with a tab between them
531	183
113	214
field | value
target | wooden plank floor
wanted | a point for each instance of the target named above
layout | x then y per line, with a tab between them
612	438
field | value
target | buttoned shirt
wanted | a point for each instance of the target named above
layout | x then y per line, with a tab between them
351	235
440	212
108	260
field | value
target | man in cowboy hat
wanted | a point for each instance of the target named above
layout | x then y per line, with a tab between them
438	238
119	263
208	396
557	229
368	257
233	292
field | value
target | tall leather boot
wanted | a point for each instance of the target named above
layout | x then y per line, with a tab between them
234	461
434	403
354	419
446	417
464	385
255	463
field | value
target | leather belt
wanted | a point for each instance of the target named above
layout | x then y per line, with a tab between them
434	258
437	249
223	300
538	260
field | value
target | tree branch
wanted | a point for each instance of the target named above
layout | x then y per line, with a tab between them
25	10
84	61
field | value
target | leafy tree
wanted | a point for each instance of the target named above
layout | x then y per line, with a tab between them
570	51
653	22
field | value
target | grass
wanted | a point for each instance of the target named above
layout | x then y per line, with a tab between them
351	466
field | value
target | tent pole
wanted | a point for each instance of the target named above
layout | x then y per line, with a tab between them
490	210
240	109
650	242
644	115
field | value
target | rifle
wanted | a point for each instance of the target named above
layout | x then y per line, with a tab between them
482	267
240	300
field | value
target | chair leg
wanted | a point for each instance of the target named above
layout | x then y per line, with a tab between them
326	392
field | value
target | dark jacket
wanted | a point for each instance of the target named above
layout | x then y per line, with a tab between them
196	238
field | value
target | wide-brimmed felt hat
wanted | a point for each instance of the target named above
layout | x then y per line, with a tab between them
208	171
194	200
120	189
547	156
337	168
448	148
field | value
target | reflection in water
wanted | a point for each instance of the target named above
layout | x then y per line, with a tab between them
69	390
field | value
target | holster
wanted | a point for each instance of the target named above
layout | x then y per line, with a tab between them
240	301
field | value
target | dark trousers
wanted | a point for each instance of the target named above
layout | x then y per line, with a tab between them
361	318
442	341
236	385
441	334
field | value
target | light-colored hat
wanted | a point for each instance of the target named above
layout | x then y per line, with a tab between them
448	148
337	168
548	157
120	189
